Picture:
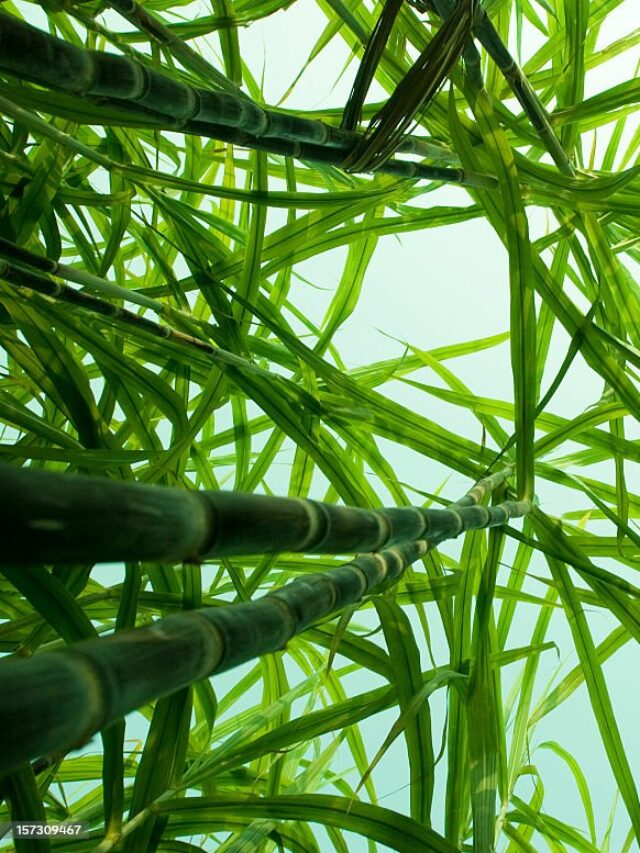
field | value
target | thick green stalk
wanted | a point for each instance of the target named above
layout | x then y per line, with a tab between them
30	54
58	700
61	518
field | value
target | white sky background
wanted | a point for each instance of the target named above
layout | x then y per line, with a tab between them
446	285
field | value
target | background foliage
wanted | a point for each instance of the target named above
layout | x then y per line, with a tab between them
444	694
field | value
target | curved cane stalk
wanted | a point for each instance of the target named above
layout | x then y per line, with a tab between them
48	517
134	88
58	700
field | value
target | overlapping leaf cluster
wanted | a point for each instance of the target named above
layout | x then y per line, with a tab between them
191	358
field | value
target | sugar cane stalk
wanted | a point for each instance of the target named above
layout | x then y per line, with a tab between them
50	517
58	700
30	54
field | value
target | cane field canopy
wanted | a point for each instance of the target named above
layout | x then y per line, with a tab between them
364	253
